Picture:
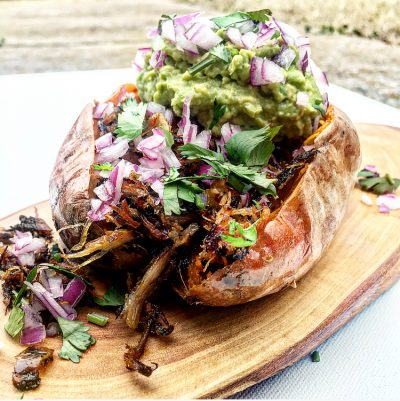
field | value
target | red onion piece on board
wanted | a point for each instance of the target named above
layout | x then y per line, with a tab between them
388	201
74	291
49	302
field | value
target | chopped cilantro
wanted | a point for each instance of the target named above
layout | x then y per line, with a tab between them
218	52
107	166
276	35
15	321
248	236
169	139
130	120
29	278
315	356
252	148
370	181
76	339
241	16
219	111
234	173
171	201
318	106
114	296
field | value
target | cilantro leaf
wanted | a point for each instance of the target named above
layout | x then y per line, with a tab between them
218	52
248	235
15	321
230	19
29	278
225	169
241	16
276	36
252	148
76	339
378	185
169	139
107	166
260	15
318	106
219	111
130	120
171	201
114	296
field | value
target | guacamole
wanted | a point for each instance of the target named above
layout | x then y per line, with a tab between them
228	82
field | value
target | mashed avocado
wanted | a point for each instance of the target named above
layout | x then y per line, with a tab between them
228	83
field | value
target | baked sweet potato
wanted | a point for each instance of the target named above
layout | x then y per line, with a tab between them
291	237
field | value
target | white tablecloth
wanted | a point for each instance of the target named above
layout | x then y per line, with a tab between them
362	361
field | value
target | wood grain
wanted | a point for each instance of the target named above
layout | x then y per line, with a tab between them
217	352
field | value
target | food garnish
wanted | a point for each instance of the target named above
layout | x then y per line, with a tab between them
97	319
315	357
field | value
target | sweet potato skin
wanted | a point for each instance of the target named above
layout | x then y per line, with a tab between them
291	241
71	181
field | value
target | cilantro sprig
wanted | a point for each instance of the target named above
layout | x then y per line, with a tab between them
241	16
218	52
219	111
131	119
76	339
114	296
252	148
373	182
246	236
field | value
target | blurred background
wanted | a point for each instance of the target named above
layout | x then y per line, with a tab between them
357	42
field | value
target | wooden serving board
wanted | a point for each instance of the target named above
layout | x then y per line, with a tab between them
217	352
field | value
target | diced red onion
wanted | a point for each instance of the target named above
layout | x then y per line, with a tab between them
153	32
203	139
264	71
21	240
26	259
228	130
157	59
304	60
151	146
52	329
103	141
140	57
169	116
158	187
206	170
388	201
105	192
185	124
129	167
234	36
302	99
384	209
285	58
102	110
203	36
34	330
153	108
113	152
117	179
148	163
320	77
185	19
302	41
371	167
249	39
191	135
98	210
36	305
316	123
288	33
49	302
366	199
169	158
302	149
325	101
74	291
52	282
264	37
150	175
244	200
168	30
182	43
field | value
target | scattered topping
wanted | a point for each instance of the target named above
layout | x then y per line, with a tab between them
315	356
15	321
130	121
107	166
76	339
28	365
370	180
34	330
366	200
247	236
388	202
74	291
264	71
97	319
